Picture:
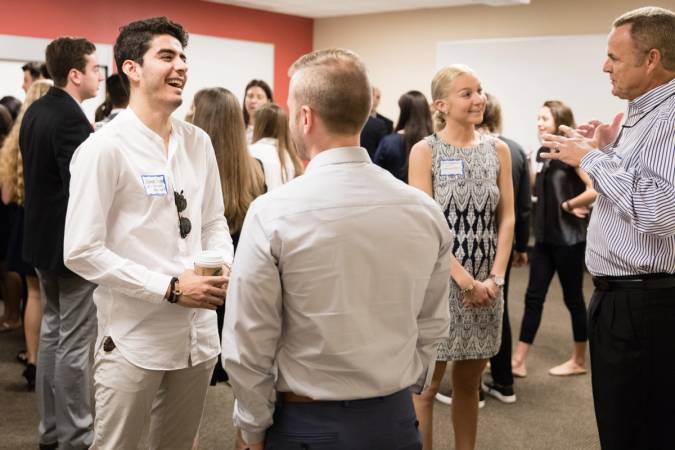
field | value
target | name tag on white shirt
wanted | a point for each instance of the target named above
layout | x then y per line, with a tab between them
452	167
155	185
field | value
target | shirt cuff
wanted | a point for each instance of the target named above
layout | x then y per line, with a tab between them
156	286
251	437
591	159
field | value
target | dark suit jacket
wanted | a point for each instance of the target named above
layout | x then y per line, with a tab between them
388	124
371	135
522	194
52	128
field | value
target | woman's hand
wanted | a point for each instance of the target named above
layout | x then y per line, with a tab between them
480	295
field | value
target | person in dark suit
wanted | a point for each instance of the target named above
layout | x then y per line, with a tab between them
501	385
52	128
376	127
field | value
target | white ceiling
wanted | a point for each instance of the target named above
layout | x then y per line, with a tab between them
331	8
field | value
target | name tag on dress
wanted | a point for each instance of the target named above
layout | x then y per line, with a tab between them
155	185
452	167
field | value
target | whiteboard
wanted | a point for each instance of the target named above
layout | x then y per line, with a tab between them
228	63
15	51
524	72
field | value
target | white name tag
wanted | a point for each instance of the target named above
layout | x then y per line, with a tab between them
452	167
154	185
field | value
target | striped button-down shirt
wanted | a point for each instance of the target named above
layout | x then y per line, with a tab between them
632	230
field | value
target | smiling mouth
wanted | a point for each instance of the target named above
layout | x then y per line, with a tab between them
176	82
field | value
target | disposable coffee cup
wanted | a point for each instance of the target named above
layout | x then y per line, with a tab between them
209	263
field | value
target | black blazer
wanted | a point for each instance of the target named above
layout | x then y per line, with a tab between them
52	128
388	124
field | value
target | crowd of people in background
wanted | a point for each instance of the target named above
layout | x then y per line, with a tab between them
342	239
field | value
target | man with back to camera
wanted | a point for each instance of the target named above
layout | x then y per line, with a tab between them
631	238
145	202
340	284
51	130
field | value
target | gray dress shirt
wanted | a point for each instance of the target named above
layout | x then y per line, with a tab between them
339	289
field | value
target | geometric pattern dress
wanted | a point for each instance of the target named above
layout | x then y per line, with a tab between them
465	186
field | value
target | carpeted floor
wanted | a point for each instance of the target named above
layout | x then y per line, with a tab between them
550	414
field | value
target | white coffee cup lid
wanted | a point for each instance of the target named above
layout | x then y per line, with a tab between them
209	258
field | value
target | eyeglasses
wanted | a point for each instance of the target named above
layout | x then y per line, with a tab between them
184	223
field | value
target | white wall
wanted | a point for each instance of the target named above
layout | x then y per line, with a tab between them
228	63
524	72
15	51
212	62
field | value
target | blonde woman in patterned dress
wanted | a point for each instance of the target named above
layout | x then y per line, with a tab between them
469	175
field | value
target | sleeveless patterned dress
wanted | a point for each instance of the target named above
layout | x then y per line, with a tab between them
465	186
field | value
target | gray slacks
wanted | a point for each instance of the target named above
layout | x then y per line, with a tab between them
63	379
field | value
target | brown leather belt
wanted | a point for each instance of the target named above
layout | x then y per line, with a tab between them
292	397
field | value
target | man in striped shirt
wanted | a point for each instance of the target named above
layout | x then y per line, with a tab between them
631	237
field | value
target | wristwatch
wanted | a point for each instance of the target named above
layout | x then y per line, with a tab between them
174	293
499	280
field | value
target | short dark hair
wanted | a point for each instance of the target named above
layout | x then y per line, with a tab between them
114	86
134	39
45	72
67	53
32	67
12	104
255	83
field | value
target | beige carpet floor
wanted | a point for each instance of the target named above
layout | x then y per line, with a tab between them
550	414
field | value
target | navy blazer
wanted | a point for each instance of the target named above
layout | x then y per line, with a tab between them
52	129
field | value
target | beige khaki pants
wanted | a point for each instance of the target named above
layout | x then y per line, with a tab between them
127	396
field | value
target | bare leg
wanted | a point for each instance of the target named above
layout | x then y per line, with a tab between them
518	364
465	381
424	406
11	294
32	318
576	365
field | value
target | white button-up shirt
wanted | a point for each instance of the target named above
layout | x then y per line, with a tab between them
122	233
341	283
266	150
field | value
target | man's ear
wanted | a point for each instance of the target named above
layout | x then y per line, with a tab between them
131	70
308	118
654	59
75	77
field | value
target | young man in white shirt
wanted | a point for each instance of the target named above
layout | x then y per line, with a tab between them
144	203
339	294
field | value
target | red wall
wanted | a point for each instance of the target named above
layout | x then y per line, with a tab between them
99	21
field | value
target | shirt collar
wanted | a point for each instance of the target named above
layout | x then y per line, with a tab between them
339	155
649	99
129	115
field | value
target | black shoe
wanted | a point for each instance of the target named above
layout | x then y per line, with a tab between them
22	357
504	394
49	446
446	398
29	375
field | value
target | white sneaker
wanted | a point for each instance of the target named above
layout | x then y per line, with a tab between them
447	399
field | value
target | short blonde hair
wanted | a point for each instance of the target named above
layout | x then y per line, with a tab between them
652	27
440	88
334	83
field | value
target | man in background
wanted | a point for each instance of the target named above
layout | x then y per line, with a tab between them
52	128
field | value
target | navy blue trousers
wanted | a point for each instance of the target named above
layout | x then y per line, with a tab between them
382	423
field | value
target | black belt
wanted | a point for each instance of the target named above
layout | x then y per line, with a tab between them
648	281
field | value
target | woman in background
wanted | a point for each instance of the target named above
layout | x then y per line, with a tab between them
217	111
563	195
12	182
256	94
469	176
273	146
414	123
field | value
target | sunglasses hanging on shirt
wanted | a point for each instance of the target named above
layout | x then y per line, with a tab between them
184	223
